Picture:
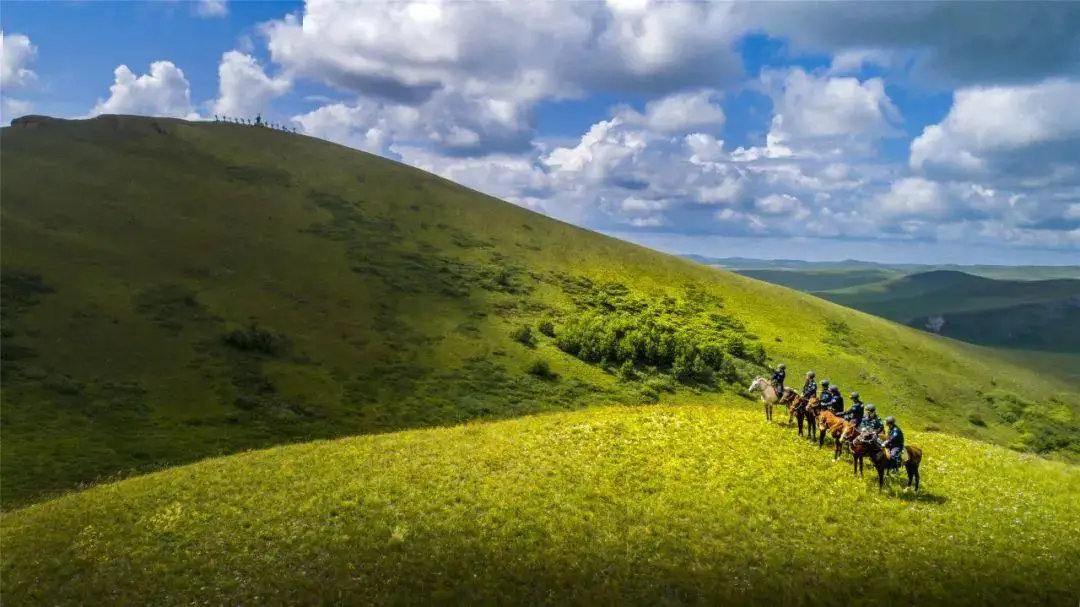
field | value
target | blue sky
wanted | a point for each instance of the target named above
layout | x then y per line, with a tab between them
891	131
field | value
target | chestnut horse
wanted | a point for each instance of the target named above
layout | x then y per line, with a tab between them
835	425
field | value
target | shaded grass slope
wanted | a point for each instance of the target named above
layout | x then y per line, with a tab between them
175	290
650	505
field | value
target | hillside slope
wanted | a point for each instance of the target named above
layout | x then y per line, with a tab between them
650	505
174	290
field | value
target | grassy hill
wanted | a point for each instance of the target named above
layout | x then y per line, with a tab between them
820	280
649	505
894	270
1038	314
174	291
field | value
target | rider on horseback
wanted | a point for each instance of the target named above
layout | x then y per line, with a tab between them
895	441
871	422
810	387
778	378
855	413
837	400
826	396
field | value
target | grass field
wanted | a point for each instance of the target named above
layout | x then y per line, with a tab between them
651	505
175	291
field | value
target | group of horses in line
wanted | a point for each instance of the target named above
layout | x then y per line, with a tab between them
846	435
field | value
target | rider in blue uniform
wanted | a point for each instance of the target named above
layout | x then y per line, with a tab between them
778	378
826	396
810	387
855	413
871	421
837	400
894	442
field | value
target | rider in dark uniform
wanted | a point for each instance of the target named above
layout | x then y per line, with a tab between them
837	400
855	413
894	442
778	378
810	387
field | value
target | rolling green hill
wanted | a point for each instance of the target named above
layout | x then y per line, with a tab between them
175	290
812	281
894	270
1037	314
650	505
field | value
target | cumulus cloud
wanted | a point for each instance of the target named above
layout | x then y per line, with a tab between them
164	91
212	8
828	111
16	53
678	113
1014	132
244	88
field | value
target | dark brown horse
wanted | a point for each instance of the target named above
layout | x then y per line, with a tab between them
810	410
796	407
867	445
834	425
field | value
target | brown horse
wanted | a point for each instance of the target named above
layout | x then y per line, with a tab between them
796	408
867	445
835	425
810	410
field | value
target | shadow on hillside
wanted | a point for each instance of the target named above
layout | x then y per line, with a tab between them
922	498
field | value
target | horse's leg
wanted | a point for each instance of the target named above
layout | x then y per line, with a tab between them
880	475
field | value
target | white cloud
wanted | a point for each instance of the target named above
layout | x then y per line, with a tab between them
245	89
808	107
162	92
212	8
677	113
13	108
16	52
913	197
1020	131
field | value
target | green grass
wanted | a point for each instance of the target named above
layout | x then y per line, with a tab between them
819	280
176	291
648	505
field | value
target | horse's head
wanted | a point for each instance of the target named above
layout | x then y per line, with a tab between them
758	385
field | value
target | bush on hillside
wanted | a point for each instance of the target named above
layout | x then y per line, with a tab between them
684	338
547	327
255	339
541	368
523	335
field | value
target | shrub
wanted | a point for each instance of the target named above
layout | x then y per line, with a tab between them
523	335
255	339
626	371
547	327
976	420
540	368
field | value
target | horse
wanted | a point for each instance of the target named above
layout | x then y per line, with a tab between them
768	395
867	445
796	408
835	425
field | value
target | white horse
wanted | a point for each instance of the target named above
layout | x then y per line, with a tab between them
769	397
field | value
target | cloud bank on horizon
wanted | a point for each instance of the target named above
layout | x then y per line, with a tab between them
868	130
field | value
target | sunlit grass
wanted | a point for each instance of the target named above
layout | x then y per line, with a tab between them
654	504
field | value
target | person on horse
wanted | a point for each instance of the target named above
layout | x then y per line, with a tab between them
778	378
826	395
895	441
837	400
855	413
809	389
871	422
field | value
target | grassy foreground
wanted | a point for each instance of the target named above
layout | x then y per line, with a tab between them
646	505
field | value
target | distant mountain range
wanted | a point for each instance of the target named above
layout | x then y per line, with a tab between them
1031	272
1015	307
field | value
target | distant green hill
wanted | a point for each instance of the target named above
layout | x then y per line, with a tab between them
812	281
175	290
1041	314
742	264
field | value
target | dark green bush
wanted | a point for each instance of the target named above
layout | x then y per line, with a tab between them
540	368
255	339
547	327
523	335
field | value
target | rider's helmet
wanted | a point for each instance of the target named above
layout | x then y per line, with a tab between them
854	396
781	366
871	408
810	374
890	420
834	389
824	383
